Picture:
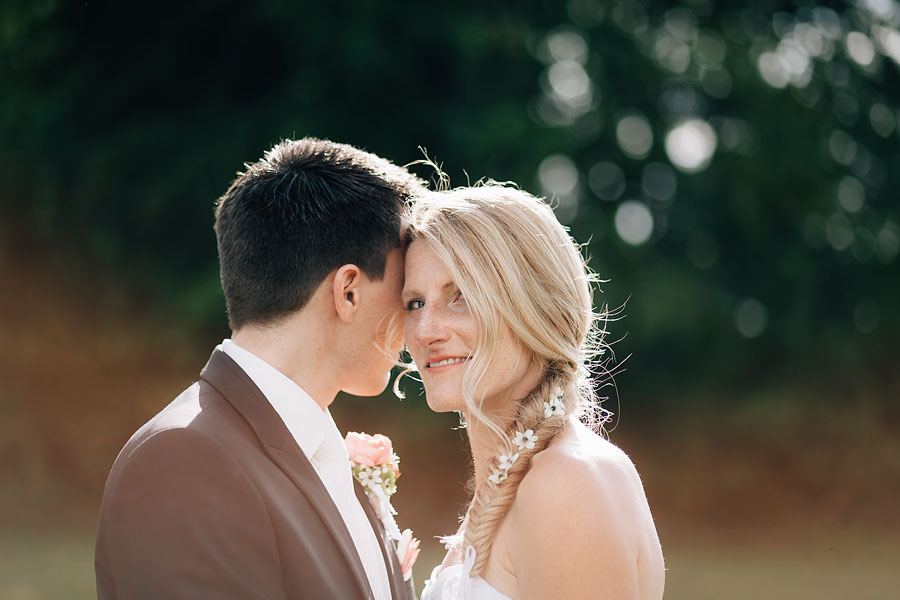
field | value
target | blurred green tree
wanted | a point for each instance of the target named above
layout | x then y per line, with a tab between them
735	167
121	124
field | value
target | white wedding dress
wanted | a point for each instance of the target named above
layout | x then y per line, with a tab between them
453	583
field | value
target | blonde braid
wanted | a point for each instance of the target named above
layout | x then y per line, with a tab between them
491	501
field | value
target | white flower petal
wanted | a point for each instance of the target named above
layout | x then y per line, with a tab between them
403	546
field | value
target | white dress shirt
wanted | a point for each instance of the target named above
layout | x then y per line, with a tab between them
320	440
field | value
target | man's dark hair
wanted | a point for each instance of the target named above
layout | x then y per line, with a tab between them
306	208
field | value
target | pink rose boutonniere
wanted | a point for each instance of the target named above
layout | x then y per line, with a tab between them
373	461
375	465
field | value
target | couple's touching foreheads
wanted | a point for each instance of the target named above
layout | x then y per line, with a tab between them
332	260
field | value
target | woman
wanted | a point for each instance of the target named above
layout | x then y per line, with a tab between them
501	327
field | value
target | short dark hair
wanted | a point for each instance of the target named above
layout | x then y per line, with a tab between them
306	208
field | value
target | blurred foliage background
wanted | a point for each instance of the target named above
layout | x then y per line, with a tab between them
733	169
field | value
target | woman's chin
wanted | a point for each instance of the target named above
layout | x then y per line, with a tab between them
442	406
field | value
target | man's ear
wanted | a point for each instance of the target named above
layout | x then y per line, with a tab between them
346	292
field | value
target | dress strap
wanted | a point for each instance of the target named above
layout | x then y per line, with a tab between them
461	589
469	560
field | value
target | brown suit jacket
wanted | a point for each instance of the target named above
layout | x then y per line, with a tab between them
213	498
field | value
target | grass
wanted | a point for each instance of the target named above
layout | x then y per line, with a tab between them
35	566
855	567
39	566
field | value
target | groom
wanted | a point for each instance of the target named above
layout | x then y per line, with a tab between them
241	487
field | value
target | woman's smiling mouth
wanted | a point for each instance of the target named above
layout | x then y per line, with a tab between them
446	362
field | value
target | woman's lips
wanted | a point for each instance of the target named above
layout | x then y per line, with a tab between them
445	363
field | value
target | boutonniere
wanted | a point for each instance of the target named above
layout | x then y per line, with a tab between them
375	465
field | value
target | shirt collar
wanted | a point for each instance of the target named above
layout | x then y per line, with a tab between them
307	422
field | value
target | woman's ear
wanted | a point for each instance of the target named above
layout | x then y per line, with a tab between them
346	293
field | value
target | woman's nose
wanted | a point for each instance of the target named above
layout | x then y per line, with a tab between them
430	327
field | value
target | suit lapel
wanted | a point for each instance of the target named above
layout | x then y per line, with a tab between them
400	589
239	390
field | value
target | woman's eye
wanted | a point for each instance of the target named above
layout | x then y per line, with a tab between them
414	305
458	298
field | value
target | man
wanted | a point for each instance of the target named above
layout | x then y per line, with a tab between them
241	487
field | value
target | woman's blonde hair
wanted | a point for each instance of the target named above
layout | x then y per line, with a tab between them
516	267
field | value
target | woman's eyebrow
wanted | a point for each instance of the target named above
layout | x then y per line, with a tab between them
408	293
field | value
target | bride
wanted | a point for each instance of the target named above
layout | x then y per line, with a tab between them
501	327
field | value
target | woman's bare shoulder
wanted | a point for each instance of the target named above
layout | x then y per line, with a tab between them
579	462
578	510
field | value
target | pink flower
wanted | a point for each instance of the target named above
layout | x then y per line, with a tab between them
395	463
370	450
407	552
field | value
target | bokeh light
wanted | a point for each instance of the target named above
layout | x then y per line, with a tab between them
558	177
570	84
634	135
634	222
751	318
690	145
860	48
851	194
839	232
842	147
882	119
567	45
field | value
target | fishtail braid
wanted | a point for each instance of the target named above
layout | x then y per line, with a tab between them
491	501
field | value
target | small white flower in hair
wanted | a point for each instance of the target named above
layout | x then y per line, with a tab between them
525	439
497	476
553	407
508	460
